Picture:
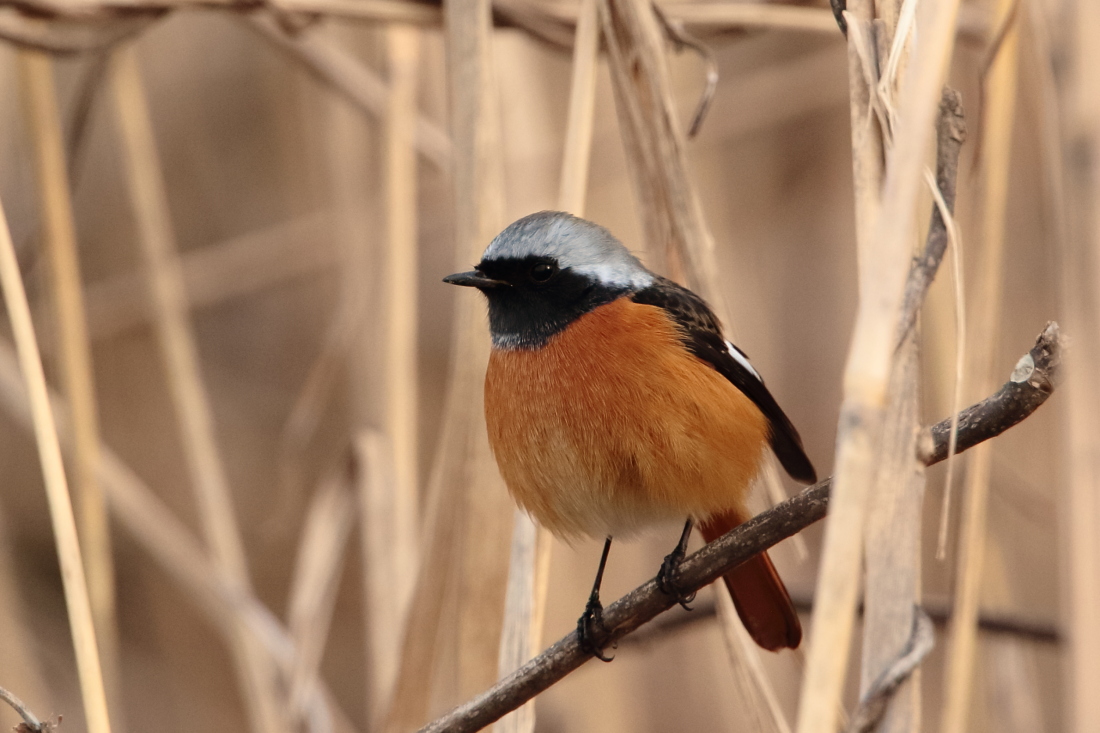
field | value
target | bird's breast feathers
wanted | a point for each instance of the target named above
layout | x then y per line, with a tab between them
613	425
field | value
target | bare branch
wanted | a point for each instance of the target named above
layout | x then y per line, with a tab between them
950	135
1017	399
1033	380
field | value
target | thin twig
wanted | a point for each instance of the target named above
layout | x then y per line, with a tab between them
1012	403
29	718
950	134
874	704
681	39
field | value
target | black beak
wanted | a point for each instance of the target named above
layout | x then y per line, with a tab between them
474	279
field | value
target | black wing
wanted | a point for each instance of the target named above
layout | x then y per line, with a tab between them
702	335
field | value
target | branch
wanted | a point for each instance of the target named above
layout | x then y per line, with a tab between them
1032	381
950	135
1031	384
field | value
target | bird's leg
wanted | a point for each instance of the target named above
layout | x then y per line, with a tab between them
590	628
667	576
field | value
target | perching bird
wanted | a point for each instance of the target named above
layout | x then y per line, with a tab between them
614	402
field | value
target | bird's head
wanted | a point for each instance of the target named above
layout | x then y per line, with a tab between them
545	271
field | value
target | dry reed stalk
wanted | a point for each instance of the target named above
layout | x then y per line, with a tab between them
573	186
314	585
529	566
233	268
478	177
400	191
892	543
466	527
181	360
1080	285
348	76
410	702
59	240
676	230
892	547
997	124
57	490
389	547
893	524
518	639
388	482
882	268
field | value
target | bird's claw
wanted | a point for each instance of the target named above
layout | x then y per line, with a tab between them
590	629
668	579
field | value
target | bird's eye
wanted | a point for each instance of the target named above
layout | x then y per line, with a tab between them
543	271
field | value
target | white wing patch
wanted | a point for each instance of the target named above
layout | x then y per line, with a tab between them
741	359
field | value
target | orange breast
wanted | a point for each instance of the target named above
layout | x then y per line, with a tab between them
613	425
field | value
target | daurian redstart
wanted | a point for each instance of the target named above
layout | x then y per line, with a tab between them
614	402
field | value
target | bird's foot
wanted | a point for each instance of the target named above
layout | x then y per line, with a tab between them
590	629
668	579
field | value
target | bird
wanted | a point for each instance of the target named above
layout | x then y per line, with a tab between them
613	402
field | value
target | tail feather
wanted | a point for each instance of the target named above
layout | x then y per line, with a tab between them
758	593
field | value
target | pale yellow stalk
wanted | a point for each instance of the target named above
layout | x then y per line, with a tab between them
77	602
74	350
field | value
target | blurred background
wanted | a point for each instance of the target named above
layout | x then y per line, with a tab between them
278	375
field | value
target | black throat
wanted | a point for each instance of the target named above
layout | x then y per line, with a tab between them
526	314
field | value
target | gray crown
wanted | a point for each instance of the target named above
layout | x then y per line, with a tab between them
576	244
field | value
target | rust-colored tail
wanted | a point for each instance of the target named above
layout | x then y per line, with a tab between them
758	593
